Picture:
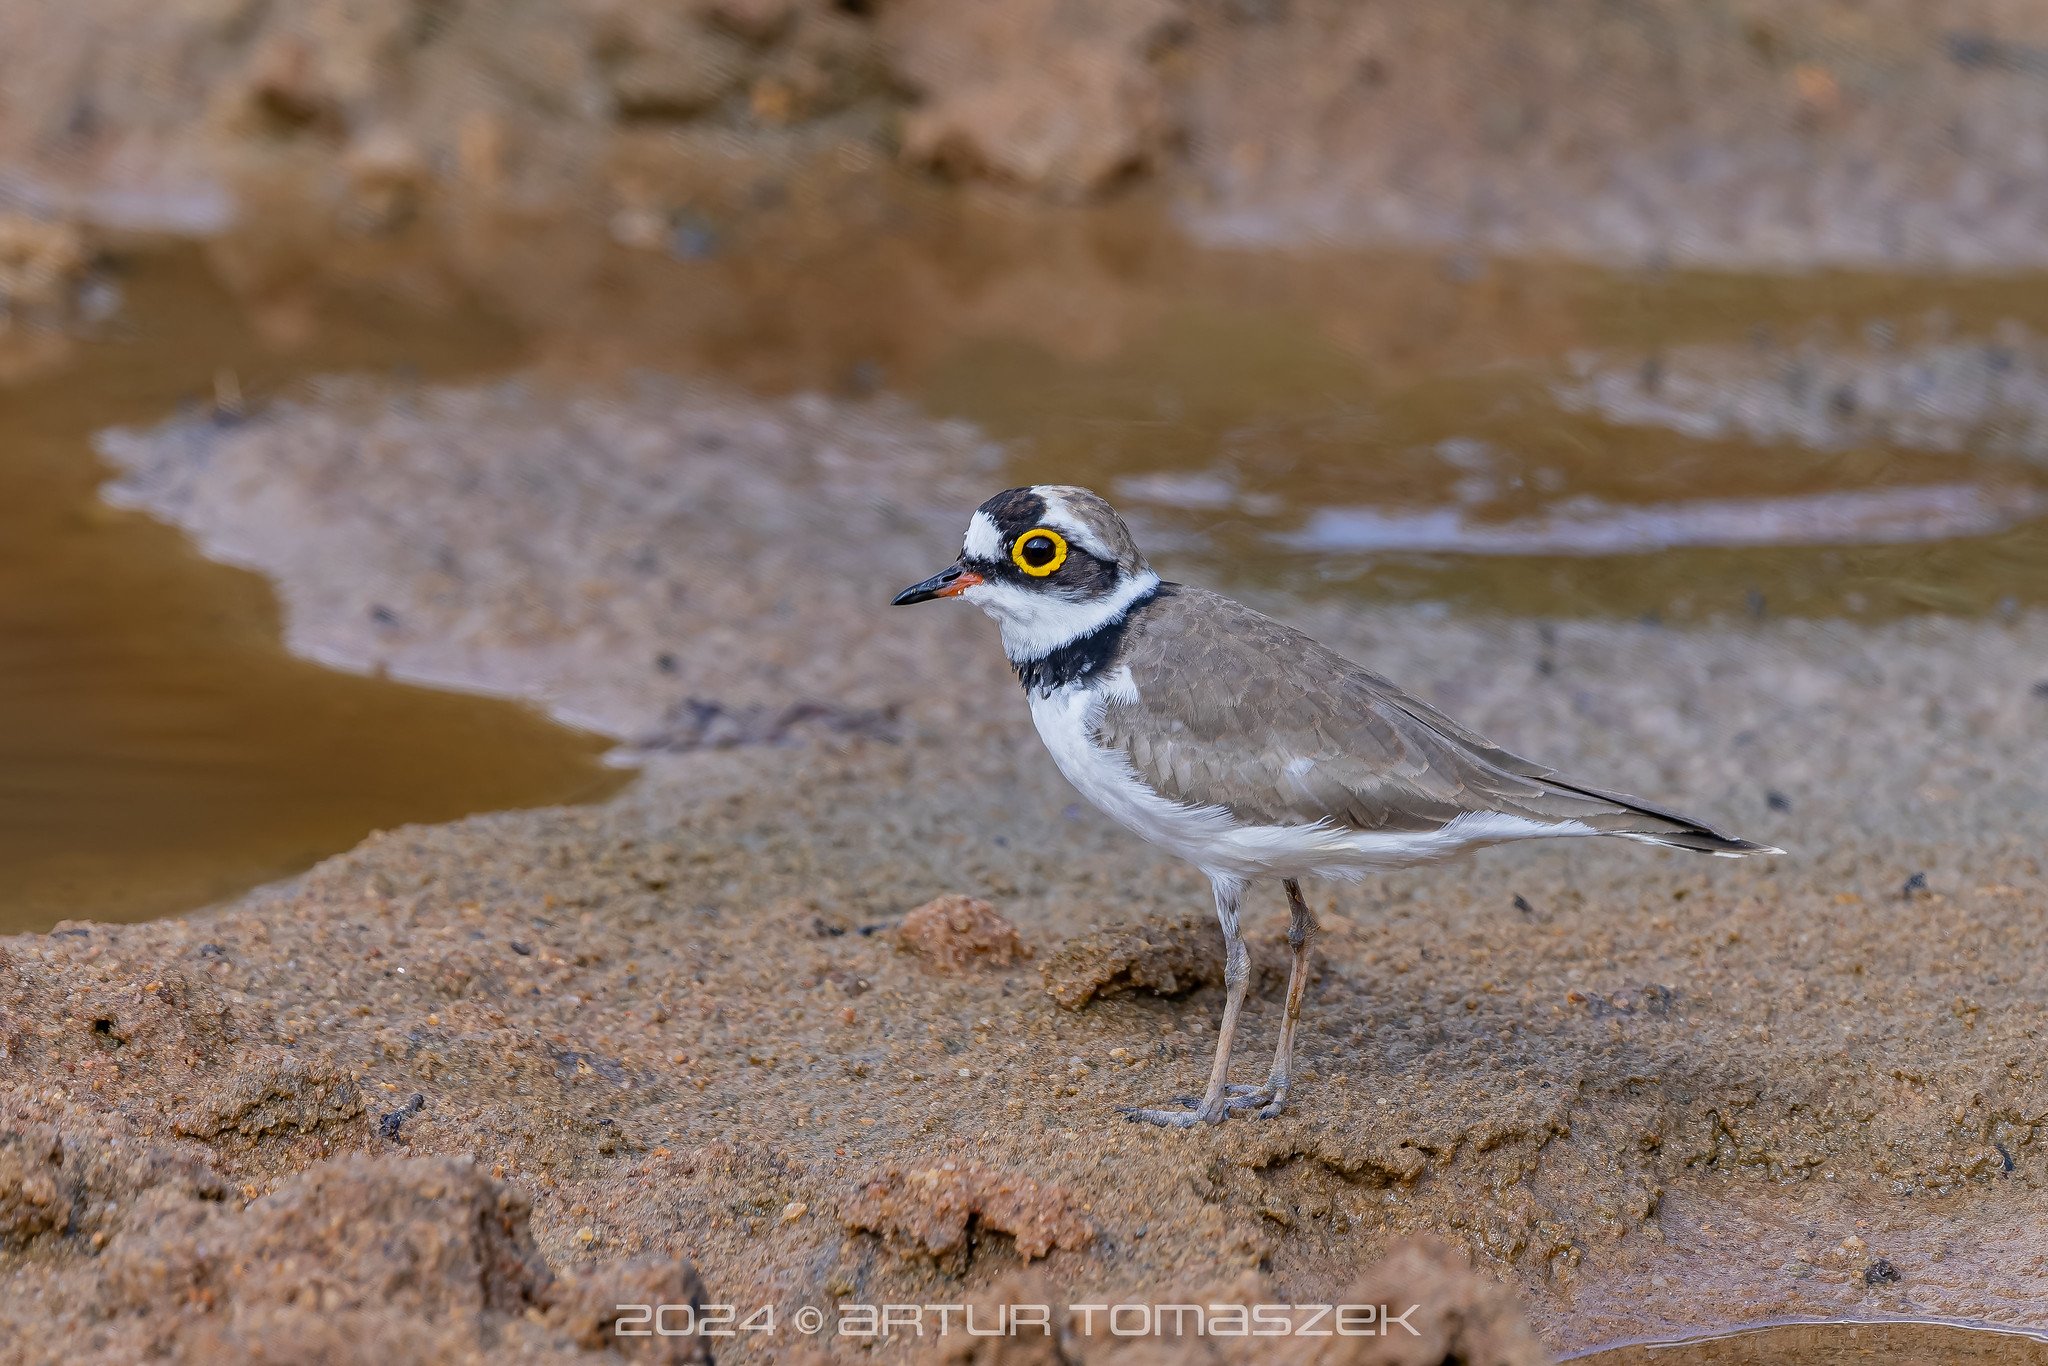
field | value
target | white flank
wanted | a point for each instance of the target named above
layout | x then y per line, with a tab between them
1035	621
1217	842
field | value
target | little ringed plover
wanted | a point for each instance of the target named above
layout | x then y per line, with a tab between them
1244	746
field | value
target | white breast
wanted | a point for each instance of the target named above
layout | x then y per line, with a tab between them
1219	843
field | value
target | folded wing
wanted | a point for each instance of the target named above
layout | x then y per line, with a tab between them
1255	717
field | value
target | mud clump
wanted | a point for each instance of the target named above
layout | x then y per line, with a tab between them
956	933
67	1177
588	1307
1038	94
353	1259
935	1211
1458	1315
1162	956
278	1096
33	1200
166	1052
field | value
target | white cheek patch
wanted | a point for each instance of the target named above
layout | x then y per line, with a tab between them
983	541
1036	622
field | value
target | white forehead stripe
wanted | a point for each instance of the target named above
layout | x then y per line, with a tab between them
1061	518
983	542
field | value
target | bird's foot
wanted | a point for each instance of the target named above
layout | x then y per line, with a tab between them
1265	1101
1176	1119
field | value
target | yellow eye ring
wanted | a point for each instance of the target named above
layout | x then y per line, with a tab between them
1039	564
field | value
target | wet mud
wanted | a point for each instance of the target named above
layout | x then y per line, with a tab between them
1645	1093
838	1001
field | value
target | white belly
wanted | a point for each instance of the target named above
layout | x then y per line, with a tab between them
1217	842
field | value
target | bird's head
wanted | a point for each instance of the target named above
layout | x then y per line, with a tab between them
1051	563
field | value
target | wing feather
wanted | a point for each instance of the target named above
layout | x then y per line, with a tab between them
1235	709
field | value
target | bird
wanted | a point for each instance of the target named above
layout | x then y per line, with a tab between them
1246	747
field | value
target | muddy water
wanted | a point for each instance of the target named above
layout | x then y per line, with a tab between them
1836	1344
1525	437
1505	437
1261	437
158	748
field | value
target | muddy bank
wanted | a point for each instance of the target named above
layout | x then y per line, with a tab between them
691	1026
1790	135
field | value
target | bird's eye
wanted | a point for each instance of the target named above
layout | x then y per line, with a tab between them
1040	551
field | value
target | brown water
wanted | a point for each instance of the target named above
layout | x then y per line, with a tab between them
1380	427
1258	437
159	750
1836	1344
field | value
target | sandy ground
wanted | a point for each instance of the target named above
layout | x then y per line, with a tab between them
1725	133
691	1028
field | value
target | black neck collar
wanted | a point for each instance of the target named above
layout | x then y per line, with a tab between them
1082	657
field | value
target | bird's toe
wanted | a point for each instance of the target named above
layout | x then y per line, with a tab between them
1169	1119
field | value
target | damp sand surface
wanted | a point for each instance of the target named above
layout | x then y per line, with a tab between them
1651	1095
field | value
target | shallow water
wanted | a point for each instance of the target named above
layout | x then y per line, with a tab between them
1527	437
1836	1344
1524	438
1385	466
159	750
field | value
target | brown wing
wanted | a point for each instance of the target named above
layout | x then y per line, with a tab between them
1253	716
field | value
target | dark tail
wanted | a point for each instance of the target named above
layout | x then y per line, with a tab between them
1638	820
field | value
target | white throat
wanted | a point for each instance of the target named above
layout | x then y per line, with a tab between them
1034	624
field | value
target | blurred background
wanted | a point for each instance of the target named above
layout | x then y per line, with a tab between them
1666	311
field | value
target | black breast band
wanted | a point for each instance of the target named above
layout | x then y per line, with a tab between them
1084	656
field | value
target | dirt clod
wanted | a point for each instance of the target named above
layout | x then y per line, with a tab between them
953	933
1458	1315
275	1098
1162	956
33	1198
935	1211
355	1259
588	1305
